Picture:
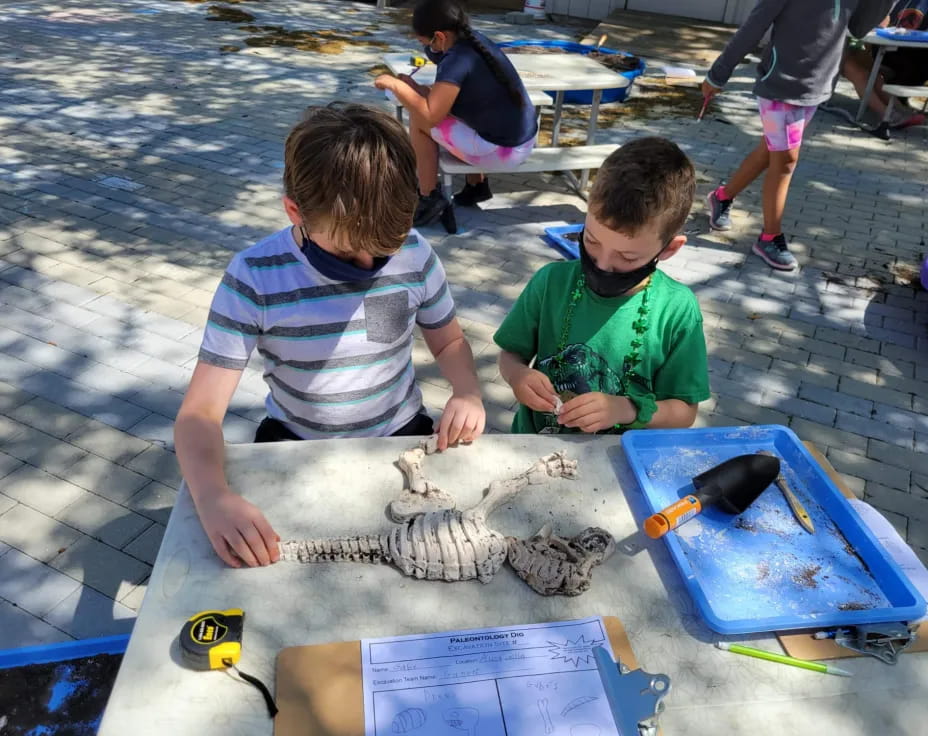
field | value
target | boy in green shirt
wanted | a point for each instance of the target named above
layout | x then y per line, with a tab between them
616	344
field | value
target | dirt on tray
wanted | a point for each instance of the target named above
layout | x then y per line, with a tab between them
805	576
854	606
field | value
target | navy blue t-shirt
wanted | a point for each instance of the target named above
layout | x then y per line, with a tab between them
484	103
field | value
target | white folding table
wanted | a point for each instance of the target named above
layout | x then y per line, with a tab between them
337	487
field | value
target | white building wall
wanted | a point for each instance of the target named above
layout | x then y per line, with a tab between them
719	11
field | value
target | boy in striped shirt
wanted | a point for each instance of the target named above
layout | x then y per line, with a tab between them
330	303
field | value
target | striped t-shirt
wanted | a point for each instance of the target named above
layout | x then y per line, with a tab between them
337	353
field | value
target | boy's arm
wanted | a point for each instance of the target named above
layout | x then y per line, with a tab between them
236	528
744	41
673	414
464	417
531	387
868	15
596	411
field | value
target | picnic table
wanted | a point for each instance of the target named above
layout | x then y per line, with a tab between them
544	73
884	44
338	487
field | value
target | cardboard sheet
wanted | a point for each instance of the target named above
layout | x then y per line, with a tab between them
803	646
319	690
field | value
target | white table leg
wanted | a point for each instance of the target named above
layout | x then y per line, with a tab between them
558	109
871	82
591	133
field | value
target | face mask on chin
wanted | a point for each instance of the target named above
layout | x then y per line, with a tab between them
613	283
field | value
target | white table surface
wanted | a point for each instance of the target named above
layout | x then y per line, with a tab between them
342	486
550	72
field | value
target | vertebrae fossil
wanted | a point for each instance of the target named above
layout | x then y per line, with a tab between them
434	541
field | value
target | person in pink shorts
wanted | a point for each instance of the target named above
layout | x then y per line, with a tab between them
796	73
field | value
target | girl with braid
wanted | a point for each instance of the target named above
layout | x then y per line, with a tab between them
477	109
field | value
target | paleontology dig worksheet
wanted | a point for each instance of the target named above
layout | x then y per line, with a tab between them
508	681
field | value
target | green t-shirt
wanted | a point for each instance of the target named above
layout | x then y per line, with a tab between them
673	363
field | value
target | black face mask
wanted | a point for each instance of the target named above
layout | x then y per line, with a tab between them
433	56
613	283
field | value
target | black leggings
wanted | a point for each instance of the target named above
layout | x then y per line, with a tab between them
271	430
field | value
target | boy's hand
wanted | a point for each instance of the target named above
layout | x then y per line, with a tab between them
385	81
709	90
462	420
596	411
533	389
238	531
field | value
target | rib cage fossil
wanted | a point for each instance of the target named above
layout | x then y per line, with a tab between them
432	540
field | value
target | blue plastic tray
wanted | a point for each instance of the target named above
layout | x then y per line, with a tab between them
570	248
585	97
903	35
760	571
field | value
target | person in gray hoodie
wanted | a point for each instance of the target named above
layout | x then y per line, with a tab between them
796	73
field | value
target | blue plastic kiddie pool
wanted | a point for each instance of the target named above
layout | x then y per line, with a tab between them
585	97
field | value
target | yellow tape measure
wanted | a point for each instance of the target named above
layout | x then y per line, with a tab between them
211	640
418	61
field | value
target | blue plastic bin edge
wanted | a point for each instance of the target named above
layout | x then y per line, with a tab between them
64	651
913	611
554	236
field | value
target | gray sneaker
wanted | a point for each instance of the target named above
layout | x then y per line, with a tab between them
719	212
776	253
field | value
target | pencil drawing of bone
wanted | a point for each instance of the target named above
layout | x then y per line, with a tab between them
430	542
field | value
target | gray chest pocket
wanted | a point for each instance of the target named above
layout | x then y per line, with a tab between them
386	316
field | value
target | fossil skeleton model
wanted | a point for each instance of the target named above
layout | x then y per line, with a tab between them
434	541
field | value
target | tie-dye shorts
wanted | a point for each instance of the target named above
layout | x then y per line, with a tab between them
784	123
464	143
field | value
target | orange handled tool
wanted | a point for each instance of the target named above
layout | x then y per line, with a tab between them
657	525
732	486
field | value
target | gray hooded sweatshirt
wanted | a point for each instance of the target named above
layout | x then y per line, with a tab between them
801	63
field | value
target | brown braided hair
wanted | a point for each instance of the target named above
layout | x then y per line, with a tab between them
431	16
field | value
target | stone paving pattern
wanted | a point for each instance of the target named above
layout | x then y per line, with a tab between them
135	159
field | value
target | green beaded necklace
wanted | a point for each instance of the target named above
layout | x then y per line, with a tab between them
640	326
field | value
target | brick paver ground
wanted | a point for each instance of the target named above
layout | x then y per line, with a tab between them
136	157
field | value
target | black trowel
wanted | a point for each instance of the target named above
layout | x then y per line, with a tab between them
731	486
